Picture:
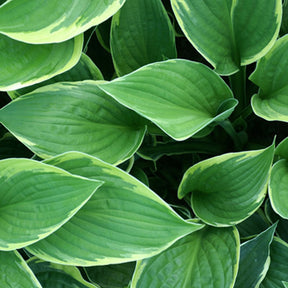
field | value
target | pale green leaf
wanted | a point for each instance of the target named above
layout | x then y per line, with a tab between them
278	188
15	273
149	39
228	188
179	96
36	199
285	284
85	69
40	63
204	259
282	149
271	76
74	116
229	33
254	260
40	21
278	268
124	221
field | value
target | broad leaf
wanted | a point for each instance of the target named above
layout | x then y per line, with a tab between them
278	188
74	116
254	260
285	284
124	221
149	39
36	199
52	275
14	272
228	188
229	33
40	63
35	21
282	149
85	69
180	96
205	259
278	268
271	76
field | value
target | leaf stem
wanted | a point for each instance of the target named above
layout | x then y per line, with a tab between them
229	129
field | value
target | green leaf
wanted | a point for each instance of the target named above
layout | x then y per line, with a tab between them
52	275
74	117
229	33
285	284
179	96
254	260
282	149
278	188
85	69
14	272
111	276
36	199
49	22
125	221
228	188
271	76
150	39
278	268
204	259
40	63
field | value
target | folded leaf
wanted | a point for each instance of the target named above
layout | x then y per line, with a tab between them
40	63
35	21
229	33
205	259
278	188
150	39
14	272
179	96
254	260
228	188
271	76
125	221
36	199
74	116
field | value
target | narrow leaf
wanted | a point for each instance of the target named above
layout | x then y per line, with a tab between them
125	221
228	188
14	272
35	21
205	259
74	116
254	260
36	199
40	63
150	39
181	97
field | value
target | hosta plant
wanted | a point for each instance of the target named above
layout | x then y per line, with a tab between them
143	143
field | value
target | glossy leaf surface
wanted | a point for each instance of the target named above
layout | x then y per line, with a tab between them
150	38
85	120
179	96
36	199
40	63
228	188
14	272
205	259
125	221
35	21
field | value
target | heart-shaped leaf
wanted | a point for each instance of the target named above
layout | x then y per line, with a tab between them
271	76
254	260
40	63
125	221
36	199
228	188
14	272
204	259
150	39
180	96
229	33
74	116
35	21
